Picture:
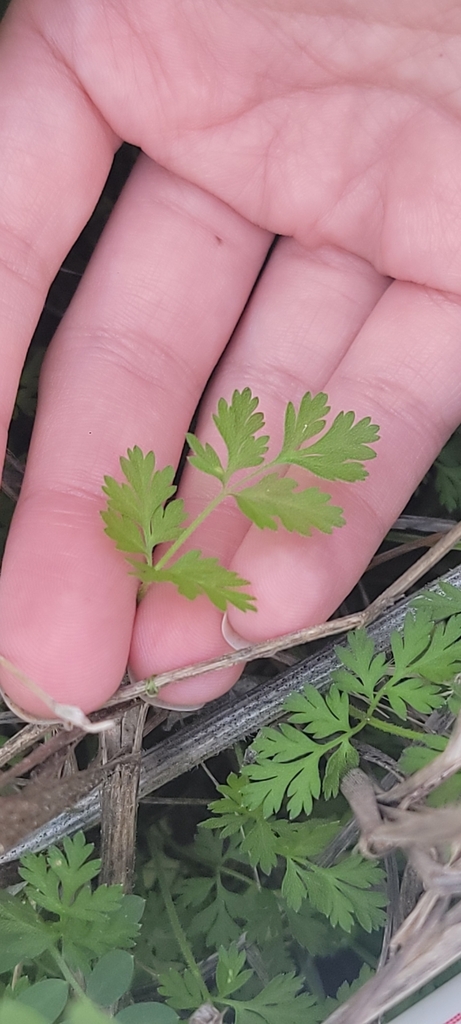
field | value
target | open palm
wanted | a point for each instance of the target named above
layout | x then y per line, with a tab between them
310	121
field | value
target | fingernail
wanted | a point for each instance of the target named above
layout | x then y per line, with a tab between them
231	637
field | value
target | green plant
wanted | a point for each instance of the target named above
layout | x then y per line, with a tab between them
56	923
142	513
369	691
239	917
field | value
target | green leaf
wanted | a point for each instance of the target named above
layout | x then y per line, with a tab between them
105	924
260	843
111	977
324	715
205	458
340	452
230	810
53	880
274	497
339	762
147	1013
294	884
346	990
136	518
23	936
12	1012
238	423
363	668
278	1002
440	603
220	921
85	1012
306	838
181	991
312	931
433	652
258	839
306	423
344	892
448	473
89	923
287	765
229	973
193	574
47	997
288	760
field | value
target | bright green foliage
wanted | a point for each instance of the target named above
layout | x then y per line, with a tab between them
86	922
276	497
298	764
142	513
254	833
342	893
238	424
81	924
289	759
264	882
193	574
23	935
137	517
180	989
339	453
440	603
277	1001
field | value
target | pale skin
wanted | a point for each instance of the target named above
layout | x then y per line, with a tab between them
332	124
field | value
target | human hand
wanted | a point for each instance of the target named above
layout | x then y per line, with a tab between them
315	122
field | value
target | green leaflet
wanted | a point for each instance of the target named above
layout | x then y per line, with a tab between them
276	497
238	423
193	574
340	452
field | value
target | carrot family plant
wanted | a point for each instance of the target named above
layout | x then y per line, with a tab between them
142	512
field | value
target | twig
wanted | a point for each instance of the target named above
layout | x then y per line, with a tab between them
429	937
40	753
119	798
22	740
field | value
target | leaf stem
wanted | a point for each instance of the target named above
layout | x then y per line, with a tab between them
66	971
226	492
186	533
177	929
395	730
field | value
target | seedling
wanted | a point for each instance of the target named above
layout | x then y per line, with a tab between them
142	513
